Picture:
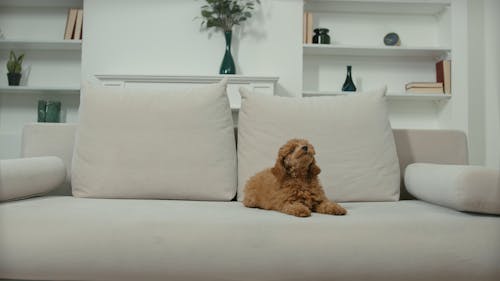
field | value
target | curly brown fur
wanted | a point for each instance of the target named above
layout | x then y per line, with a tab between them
292	185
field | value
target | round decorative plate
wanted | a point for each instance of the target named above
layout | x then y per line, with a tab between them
392	39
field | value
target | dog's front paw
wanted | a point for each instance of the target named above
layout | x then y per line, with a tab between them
331	208
297	210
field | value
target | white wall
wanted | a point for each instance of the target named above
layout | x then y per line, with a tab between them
476	100
484	88
164	38
492	84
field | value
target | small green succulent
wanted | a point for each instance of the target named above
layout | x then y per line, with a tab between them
14	65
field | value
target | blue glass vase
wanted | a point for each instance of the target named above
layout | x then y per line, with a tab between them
227	66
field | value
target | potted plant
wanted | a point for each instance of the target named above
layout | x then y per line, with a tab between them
14	68
224	15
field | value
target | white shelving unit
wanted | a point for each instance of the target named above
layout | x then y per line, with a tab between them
427	28
30	90
390	96
51	67
389	51
41	3
410	7
41	44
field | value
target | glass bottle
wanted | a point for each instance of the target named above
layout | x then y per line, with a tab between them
349	84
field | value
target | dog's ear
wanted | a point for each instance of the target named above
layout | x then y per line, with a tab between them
279	169
314	169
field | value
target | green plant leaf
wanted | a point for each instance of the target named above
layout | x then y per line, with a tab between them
224	14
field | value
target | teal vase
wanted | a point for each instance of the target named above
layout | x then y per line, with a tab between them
349	84
227	65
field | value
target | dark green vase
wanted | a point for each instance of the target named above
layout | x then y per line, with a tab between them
349	84
227	65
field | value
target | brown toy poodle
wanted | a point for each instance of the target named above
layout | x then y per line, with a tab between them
292	185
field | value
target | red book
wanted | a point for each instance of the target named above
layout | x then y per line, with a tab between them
443	74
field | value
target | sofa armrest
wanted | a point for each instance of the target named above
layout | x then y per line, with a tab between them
460	187
26	177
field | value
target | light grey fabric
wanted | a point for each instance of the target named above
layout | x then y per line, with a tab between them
51	139
412	145
351	134
154	143
26	177
429	146
67	238
464	188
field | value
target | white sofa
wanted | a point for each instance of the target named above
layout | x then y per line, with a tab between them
62	237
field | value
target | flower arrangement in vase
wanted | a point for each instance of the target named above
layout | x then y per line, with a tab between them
224	15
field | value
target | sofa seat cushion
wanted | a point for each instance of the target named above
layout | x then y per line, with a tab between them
67	238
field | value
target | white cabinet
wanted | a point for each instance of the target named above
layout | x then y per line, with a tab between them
51	68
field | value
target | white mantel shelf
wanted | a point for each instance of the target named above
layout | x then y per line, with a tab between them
264	85
192	79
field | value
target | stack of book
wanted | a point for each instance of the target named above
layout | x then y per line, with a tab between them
74	24
424	88
442	84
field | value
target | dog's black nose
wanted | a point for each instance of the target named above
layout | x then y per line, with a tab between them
304	148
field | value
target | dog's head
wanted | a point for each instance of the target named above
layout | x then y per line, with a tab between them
296	159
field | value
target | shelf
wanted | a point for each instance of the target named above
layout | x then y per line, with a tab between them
396	51
261	84
41	45
41	4
410	7
390	96
39	90
193	79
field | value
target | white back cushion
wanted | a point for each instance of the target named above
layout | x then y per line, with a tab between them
147	143
352	136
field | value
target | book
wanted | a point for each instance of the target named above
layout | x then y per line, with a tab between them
70	23
309	25
443	74
425	90
78	24
424	85
304	29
